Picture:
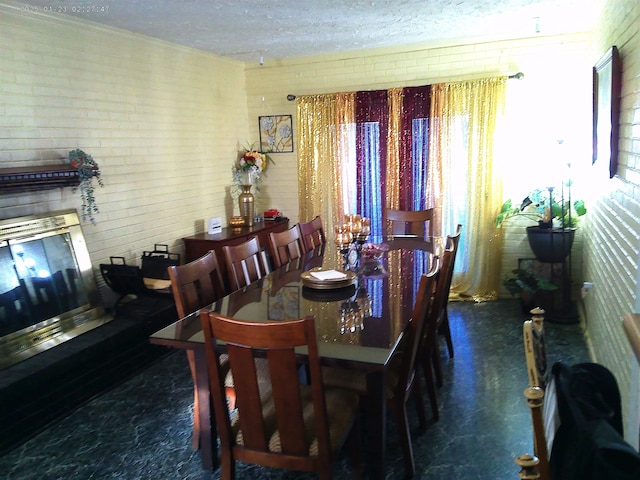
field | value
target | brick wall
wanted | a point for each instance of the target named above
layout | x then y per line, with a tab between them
612	244
164	123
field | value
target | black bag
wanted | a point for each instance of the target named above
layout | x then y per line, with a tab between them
589	443
156	262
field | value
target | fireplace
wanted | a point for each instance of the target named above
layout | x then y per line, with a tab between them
48	293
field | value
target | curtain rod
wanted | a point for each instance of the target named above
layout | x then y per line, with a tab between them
515	76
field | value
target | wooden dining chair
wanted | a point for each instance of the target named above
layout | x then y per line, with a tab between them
429	352
406	222
286	423
312	234
402	381
285	246
196	285
246	263
444	329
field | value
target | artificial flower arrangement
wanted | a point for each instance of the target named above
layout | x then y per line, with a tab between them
88	170
249	166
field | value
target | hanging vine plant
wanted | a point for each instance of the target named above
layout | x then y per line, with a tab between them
88	170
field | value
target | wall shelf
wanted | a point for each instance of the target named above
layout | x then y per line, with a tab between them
42	177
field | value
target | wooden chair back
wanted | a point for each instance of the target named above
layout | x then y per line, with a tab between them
405	222
414	330
312	234
429	352
285	246
283	423
196	284
246	263
403	367
452	244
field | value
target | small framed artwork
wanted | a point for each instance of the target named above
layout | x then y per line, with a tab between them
276	133
607	84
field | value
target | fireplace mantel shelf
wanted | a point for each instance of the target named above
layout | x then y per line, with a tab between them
42	177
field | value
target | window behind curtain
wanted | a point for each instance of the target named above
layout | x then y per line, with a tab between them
368	194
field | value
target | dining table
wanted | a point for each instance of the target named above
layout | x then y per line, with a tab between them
359	322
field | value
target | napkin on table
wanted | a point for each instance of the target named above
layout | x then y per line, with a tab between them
328	275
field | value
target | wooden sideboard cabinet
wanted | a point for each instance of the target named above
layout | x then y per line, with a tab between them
197	245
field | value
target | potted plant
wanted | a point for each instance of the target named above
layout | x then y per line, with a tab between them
551	239
88	171
527	286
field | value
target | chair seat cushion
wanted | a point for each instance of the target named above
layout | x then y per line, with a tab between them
342	406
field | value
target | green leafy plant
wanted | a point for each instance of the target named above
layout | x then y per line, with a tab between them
546	208
88	171
525	281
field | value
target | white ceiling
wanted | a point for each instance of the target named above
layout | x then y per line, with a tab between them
249	30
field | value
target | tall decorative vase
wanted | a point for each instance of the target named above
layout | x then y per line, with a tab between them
247	204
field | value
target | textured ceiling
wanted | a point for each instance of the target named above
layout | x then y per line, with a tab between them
250	30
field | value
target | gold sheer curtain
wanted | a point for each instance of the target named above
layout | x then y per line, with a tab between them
324	123
316	157
469	111
394	96
464	118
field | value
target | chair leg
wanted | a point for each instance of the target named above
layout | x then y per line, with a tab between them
437	365
402	422
446	331
195	435
353	441
416	392
431	388
227	466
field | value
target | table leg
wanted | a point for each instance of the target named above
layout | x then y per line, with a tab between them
208	432
376	425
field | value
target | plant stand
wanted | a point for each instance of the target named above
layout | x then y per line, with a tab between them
558	304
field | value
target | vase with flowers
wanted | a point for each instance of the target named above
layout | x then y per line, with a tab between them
247	172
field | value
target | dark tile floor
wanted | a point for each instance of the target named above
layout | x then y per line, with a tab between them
141	428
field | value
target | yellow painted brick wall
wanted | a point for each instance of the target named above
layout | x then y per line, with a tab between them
164	122
612	245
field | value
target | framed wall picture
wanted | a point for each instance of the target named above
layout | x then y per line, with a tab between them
276	133
607	83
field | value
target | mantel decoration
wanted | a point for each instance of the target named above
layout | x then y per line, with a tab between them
88	171
247	172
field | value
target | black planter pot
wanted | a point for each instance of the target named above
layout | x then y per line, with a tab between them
550	245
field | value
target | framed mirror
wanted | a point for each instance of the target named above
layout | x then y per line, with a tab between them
607	83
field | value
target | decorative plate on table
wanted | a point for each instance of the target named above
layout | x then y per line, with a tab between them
327	279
